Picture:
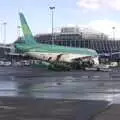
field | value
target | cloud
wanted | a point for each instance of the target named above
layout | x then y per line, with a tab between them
92	4
103	26
99	4
115	4
106	26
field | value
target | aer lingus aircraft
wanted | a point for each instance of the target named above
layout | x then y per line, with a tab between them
53	53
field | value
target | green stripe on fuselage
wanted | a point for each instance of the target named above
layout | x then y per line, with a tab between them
56	49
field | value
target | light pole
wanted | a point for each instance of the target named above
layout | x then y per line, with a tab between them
18	31
52	19
112	46
1	31
4	24
113	33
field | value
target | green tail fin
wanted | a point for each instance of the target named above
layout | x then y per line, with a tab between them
28	37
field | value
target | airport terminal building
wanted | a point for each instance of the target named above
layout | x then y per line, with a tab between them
84	38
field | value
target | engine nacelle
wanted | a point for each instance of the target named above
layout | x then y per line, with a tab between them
59	66
81	64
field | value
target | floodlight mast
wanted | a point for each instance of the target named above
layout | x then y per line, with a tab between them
52	19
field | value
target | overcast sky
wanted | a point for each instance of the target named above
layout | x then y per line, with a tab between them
101	15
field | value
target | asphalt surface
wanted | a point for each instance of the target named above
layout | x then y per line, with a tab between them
48	109
111	113
28	93
41	83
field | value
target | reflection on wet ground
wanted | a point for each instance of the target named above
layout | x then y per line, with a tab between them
91	90
64	85
34	93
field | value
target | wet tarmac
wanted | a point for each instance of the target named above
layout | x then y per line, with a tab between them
111	113
14	108
41	83
26	91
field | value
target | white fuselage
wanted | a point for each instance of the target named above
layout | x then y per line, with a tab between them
66	57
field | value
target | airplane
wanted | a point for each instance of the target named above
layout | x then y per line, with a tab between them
54	53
